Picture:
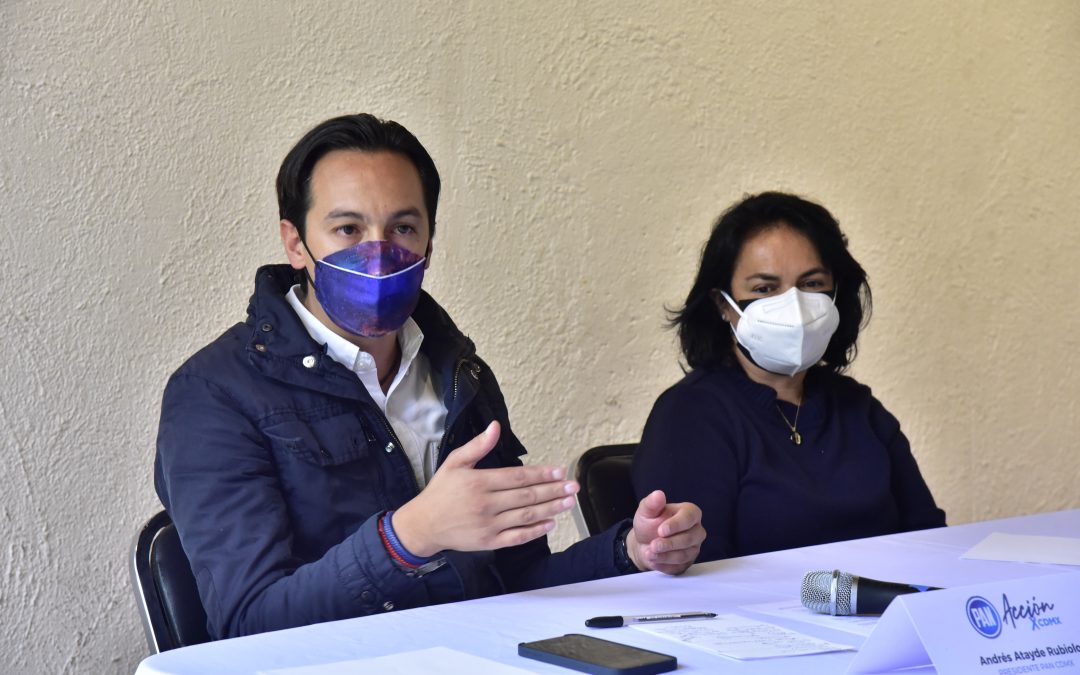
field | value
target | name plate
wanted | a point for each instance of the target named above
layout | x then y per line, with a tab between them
1002	628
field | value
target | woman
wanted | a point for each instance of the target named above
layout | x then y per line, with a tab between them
764	433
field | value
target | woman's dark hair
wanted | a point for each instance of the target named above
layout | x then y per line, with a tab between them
707	340
351	132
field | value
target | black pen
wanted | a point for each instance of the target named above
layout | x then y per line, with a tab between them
619	621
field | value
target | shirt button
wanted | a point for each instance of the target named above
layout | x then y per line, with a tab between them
388	605
309	361
366	596
390	446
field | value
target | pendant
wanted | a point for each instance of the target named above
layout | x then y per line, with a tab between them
795	437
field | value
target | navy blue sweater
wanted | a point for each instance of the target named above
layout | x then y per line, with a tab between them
717	439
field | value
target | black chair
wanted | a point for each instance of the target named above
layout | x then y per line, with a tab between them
165	591
607	494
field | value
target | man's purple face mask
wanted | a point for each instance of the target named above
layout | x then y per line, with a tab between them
369	289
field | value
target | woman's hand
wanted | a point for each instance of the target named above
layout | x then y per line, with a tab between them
665	537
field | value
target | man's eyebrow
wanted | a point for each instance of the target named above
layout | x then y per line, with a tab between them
345	213
354	215
411	211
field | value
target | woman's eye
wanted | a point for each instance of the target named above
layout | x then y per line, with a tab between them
761	290
816	285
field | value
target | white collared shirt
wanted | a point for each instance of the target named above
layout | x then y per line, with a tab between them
411	404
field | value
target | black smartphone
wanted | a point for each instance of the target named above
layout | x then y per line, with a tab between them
587	654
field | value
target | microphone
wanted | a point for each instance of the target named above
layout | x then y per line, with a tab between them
842	594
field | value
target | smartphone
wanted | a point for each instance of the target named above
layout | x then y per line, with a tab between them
587	654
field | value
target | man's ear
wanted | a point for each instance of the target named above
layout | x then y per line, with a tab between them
427	253
294	247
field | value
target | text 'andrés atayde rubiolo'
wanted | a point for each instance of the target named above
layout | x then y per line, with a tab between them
1020	655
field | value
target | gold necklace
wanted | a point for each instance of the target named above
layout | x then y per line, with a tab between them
795	437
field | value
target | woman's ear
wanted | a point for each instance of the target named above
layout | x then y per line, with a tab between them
722	306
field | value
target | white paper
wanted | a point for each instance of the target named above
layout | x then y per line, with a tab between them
433	661
1026	548
858	625
741	638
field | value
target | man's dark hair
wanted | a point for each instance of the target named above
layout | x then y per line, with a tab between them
706	340
350	132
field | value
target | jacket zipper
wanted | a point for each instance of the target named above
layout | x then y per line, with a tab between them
397	441
442	441
453	397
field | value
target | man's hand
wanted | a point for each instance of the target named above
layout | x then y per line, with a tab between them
468	509
665	537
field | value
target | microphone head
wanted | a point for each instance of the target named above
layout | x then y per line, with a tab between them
828	592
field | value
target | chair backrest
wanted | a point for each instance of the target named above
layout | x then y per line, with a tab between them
607	494
165	591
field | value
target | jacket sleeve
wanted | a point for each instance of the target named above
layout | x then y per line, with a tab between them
532	565
686	451
217	479
915	505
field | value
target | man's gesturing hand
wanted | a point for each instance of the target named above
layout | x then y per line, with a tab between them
665	537
468	509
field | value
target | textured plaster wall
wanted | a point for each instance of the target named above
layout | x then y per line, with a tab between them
586	147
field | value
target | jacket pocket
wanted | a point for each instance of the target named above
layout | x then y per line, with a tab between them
325	442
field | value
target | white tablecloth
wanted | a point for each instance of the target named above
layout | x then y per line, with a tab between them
493	627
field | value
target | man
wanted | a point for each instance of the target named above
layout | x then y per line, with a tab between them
344	451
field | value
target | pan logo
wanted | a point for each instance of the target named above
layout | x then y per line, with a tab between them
983	617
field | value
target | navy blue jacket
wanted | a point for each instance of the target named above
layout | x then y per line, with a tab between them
274	463
717	439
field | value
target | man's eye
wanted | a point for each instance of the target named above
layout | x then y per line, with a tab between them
347	230
402	228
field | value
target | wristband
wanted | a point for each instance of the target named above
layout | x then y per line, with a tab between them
412	565
396	547
389	548
623	562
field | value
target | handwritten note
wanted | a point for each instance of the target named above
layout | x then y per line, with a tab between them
793	609
741	638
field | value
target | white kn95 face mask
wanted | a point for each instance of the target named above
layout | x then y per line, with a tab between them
787	333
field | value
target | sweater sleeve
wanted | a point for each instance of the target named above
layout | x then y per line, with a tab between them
686	451
218	481
915	505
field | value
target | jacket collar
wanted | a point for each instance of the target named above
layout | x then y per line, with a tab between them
282	348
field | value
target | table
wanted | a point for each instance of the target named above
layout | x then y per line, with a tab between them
492	627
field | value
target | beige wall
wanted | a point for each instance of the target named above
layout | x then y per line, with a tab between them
586	147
